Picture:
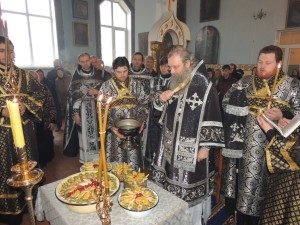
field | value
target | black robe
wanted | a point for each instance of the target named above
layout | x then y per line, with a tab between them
87	110
31	93
194	123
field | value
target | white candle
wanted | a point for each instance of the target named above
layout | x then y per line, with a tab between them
16	124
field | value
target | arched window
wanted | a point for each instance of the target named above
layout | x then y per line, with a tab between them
115	27
32	29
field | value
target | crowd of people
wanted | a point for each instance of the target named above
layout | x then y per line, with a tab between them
186	111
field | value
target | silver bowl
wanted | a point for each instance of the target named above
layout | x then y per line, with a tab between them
128	126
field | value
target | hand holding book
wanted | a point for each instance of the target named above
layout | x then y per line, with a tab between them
264	125
273	113
289	126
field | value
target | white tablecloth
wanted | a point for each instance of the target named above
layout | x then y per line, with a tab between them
170	210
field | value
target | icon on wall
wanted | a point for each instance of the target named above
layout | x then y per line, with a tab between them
80	9
209	10
80	34
293	14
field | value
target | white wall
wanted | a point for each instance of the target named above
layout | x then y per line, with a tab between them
71	52
241	37
147	12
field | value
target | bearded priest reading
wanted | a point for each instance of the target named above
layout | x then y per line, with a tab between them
272	92
191	126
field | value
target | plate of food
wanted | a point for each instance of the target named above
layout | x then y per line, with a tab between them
121	170
135	178
78	191
138	201
93	166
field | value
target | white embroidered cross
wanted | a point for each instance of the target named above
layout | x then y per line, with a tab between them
235	127
194	101
84	89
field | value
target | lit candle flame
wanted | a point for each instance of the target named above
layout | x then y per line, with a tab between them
100	98
109	100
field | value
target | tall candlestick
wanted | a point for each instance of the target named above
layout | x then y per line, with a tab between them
106	112
101	135
16	124
103	144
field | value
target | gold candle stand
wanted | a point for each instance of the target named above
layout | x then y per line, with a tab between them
103	206
104	202
25	177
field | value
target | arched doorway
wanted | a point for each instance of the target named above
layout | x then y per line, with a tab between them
165	34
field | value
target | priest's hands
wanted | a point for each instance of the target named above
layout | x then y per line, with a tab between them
142	128
263	124
202	153
166	95
22	108
283	122
77	119
51	126
5	112
117	133
273	113
92	91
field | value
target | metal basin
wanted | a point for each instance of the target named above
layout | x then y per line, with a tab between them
128	126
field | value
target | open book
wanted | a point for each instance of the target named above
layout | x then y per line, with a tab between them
288	129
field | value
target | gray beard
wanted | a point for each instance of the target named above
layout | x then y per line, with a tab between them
175	81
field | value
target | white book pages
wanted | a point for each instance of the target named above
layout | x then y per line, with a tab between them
288	129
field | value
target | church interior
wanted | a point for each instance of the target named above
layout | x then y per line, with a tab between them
236	30
220	32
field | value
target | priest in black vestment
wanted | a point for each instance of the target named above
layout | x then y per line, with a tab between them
191	126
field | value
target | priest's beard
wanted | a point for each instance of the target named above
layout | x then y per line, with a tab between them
176	80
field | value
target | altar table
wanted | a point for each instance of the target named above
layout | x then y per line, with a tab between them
169	210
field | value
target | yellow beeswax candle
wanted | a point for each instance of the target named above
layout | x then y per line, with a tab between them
16	124
102	145
100	168
106	113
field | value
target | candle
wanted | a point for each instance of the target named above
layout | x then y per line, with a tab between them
103	140
16	124
106	112
101	135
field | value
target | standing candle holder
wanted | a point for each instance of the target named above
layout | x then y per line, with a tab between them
104	203
25	177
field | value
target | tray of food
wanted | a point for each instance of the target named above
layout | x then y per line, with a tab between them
138	201
121	170
78	191
135	178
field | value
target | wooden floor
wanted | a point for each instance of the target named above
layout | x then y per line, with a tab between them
60	167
